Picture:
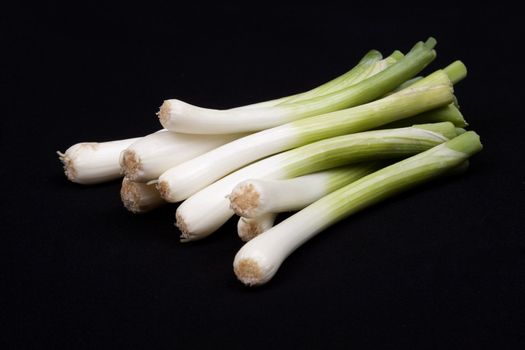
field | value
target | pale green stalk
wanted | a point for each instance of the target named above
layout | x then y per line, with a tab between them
369	64
407	83
448	113
366	68
456	72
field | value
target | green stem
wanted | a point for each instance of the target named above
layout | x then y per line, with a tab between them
373	87
456	71
449	113
360	72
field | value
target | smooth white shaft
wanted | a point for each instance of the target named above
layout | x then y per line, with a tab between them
94	162
248	228
180	116
149	157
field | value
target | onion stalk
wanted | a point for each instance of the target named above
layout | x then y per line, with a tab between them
456	71
259	259
182	117
256	197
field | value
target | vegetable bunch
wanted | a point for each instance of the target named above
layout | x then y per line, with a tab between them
326	153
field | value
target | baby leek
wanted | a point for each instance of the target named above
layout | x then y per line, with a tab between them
255	197
259	259
179	116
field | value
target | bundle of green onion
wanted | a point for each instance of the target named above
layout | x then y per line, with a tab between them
326	153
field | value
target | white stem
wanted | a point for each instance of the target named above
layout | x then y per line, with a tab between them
255	197
140	197
248	228
147	158
94	162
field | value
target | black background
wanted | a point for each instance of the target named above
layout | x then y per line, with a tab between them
442	266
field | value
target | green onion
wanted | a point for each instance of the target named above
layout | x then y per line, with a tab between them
259	259
182	117
256	197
